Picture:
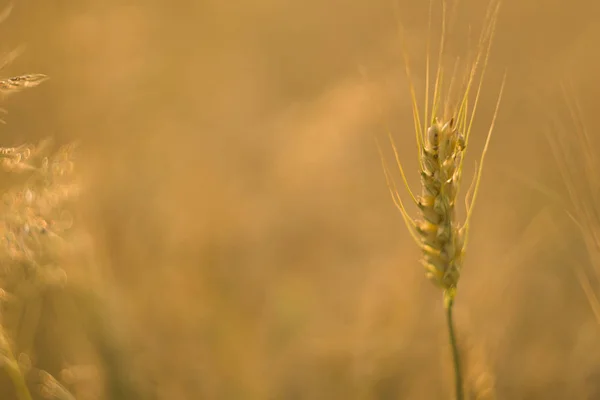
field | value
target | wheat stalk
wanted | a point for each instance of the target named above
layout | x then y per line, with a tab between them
442	142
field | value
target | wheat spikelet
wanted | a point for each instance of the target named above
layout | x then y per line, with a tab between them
18	83
442	141
50	388
441	240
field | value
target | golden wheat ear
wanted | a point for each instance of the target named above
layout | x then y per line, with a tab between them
442	142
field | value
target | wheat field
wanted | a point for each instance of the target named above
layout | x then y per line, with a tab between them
194	205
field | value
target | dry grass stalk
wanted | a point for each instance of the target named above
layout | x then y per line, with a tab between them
442	137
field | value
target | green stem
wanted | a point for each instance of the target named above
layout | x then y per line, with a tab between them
458	382
12	369
11	366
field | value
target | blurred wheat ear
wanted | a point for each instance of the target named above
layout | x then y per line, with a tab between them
442	141
18	83
573	147
13	366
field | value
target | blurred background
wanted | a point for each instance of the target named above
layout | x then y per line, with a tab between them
238	220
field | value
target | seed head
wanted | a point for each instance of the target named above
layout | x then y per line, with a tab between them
442	143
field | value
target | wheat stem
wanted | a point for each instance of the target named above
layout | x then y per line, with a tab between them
11	367
458	381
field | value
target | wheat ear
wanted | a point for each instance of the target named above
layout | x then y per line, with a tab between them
574	149
14	157
442	142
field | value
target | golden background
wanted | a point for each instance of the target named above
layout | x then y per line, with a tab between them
239	215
